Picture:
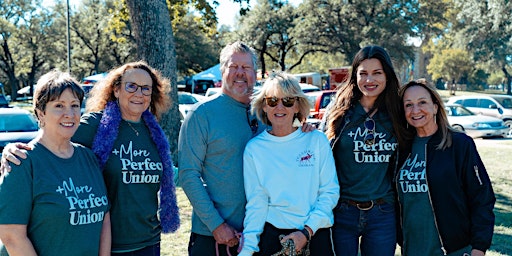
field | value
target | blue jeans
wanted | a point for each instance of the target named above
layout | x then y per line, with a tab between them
152	250
376	228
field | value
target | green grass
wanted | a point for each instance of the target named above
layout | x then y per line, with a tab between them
495	155
495	158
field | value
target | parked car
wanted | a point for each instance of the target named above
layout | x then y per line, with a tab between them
309	88
318	100
186	100
476	126
4	103
16	125
499	106
212	91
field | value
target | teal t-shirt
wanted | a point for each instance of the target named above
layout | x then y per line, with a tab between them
362	169
132	175
62	201
419	230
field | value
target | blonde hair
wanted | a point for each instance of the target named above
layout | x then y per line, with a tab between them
287	85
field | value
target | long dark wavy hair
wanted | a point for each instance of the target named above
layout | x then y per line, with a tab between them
349	94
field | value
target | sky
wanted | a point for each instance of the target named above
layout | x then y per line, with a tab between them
228	10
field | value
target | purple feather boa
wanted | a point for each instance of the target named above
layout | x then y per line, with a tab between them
104	142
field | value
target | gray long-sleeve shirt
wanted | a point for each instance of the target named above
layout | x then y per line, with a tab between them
210	154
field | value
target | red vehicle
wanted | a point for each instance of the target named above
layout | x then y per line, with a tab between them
338	76
319	101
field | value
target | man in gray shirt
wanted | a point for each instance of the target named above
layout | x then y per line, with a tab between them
210	154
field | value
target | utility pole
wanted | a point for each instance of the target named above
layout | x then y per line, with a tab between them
68	36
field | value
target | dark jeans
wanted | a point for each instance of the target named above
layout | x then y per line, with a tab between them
200	245
376	227
320	244
153	250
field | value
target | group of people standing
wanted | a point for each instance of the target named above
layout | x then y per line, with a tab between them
384	167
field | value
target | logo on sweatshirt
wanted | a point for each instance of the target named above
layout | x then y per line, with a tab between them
306	158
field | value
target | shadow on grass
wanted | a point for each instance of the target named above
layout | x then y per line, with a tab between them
503	210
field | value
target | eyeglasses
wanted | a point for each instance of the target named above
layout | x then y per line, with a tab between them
287	101
133	87
369	125
252	121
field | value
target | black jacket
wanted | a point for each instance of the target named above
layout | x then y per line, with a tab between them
461	193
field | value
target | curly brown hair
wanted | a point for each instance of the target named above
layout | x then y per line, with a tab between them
103	91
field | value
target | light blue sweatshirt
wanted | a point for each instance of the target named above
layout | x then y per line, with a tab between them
290	182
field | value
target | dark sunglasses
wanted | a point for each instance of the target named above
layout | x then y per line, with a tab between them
133	87
252	121
287	101
369	125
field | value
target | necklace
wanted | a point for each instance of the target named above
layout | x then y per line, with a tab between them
135	130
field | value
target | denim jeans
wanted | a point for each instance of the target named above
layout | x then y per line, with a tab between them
200	245
152	250
375	227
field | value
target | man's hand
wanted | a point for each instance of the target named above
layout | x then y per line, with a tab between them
306	127
11	153
225	234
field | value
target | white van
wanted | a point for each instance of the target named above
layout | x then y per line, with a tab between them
496	105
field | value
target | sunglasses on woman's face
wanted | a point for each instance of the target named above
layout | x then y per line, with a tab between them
133	87
287	101
369	125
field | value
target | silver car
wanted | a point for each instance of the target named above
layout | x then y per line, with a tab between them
476	126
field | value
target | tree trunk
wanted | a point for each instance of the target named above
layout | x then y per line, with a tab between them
151	23
508	79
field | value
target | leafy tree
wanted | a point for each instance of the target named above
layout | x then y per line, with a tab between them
11	17
98	46
269	28
34	51
347	26
487	32
451	65
195	50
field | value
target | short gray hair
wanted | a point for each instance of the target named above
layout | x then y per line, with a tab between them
240	47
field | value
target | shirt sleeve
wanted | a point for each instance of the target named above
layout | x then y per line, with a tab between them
192	148
16	194
87	129
481	198
256	209
328	192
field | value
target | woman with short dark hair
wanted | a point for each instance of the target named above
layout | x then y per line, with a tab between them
56	199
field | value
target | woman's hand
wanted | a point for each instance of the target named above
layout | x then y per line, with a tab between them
476	252
11	153
298	238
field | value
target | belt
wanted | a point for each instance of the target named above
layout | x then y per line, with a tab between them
364	206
